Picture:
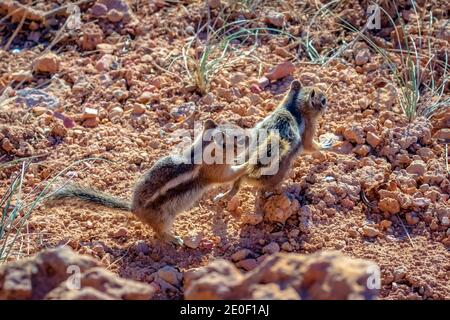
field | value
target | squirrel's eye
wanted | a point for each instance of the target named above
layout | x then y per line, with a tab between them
323	101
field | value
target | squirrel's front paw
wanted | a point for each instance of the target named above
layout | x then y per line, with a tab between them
218	197
328	141
326	144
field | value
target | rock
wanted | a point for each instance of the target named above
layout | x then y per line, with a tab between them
48	63
183	111
370	232
145	97
252	218
385	224
373	139
389	205
208	99
412	218
89	113
7	145
36	97
193	240
399	273
271	248
142	247
60	273
214	4
99	249
308	79
362	57
280	71
279	208
116	112
104	284
119	8
417	167
92	36
104	63
421	203
361	150
218	280
58	130
425	153
354	134
139	109
90	123
120	95
276	19
237	78
37	111
170	275
347	203
99	9
114	15
442	134
263	82
286	246
247	264
241	255
121	232
319	276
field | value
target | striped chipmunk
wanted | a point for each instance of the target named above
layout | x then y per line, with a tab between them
290	131
172	185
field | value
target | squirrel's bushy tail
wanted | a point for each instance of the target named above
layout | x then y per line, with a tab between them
272	149
91	195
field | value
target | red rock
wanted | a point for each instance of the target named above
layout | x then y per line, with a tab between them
145	97
362	57
99	9
370	232
247	264
241	255
121	232
276	19
92	36
7	145
443	134
373	139
48	63
214	4
280	71
389	205
272	247
104	63
417	167
114	15
139	109
308	79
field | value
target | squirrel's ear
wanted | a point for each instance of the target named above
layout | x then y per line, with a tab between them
209	124
312	93
296	85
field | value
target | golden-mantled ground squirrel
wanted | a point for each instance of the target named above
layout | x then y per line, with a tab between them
293	126
173	184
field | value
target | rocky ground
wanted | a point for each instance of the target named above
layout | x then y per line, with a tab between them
113	85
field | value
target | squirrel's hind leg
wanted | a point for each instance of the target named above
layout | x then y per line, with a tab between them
230	193
163	232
